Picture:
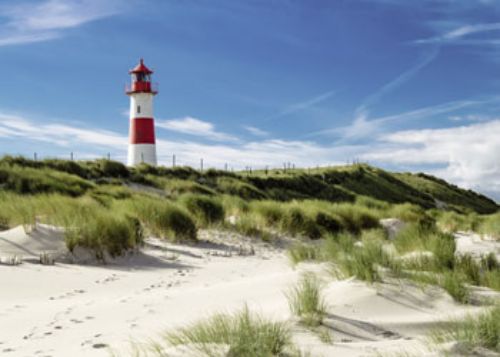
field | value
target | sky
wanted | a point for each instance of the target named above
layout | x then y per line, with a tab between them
404	85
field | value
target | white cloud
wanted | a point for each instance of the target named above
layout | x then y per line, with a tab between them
466	155
469	154
255	131
192	126
28	22
93	142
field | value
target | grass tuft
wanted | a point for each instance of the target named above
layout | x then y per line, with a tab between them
247	335
306	302
482	330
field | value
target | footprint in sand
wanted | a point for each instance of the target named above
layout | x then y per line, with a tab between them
109	279
99	345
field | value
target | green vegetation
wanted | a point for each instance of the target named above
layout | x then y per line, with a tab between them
306	302
246	335
206	210
474	331
337	206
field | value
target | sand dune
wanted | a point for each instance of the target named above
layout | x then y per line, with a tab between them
82	310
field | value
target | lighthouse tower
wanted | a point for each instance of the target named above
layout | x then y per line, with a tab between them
142	148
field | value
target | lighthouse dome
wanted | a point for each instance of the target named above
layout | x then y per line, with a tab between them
141	68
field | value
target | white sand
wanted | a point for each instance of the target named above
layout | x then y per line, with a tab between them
78	310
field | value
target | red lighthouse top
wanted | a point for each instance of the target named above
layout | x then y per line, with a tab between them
141	68
141	80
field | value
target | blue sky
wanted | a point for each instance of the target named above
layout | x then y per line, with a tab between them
406	85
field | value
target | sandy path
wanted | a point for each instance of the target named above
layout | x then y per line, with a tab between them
76	310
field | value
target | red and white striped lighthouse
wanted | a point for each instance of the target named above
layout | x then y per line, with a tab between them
142	148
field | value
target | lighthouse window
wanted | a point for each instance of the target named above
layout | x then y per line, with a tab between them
138	109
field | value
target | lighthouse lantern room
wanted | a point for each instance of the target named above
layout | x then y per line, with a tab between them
142	147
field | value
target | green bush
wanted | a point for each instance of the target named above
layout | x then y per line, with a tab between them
111	168
165	219
328	222
296	222
206	210
103	232
27	180
272	212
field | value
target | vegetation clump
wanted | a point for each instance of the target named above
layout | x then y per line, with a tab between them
482	330
306	301
246	334
206	210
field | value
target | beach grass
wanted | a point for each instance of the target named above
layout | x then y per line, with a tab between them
306	301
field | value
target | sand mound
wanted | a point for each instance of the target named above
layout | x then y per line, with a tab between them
29	243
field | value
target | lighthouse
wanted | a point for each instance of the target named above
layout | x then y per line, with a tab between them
142	147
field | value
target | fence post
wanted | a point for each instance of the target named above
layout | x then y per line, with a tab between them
109	156
34	156
71	156
173	160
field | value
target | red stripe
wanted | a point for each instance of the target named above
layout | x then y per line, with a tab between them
142	131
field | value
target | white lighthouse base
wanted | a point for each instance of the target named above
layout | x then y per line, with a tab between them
141	153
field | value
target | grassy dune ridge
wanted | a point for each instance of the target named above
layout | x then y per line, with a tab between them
95	199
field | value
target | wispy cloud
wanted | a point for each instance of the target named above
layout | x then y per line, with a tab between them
15	126
255	131
361	127
192	126
401	79
460	32
296	107
27	22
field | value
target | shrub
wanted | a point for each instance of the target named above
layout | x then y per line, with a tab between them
270	211
207	210
112	168
329	223
246	335
296	222
104	233
306	302
27	180
165	219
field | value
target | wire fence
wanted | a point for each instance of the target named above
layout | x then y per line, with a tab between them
172	160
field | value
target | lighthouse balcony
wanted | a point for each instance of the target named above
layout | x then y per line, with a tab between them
141	87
